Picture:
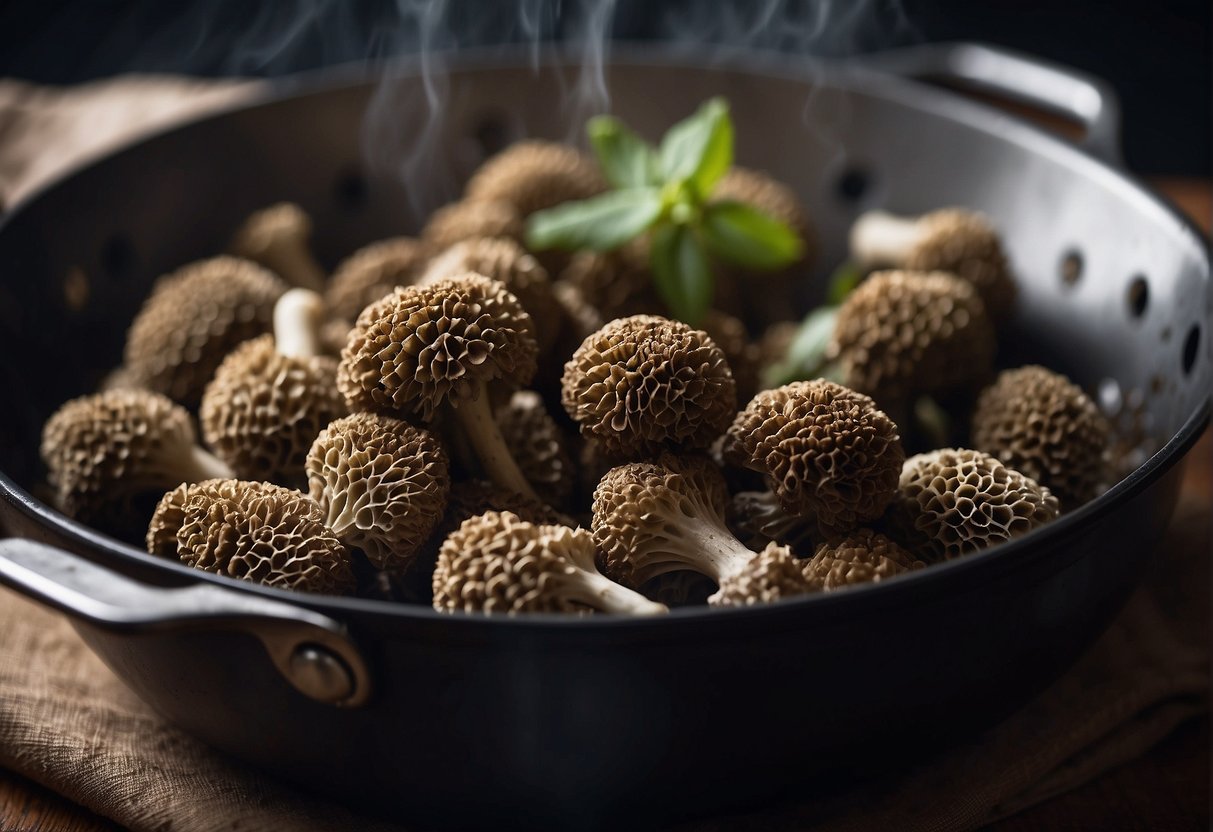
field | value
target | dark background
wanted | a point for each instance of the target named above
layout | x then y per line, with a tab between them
1155	52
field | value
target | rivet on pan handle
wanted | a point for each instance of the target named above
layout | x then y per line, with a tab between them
312	651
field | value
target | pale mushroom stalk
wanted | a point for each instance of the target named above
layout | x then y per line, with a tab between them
298	316
879	238
277	238
475	417
588	586
196	464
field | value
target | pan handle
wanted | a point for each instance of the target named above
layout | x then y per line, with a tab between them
1086	99
312	651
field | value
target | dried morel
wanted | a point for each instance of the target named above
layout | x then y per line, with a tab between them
108	453
472	497
759	518
952	240
539	446
254	531
466	220
277	238
533	175
617	283
740	352
650	520
1043	425
862	556
499	563
193	318
382	485
827	451
902	334
645	384
372	272
952	502
273	395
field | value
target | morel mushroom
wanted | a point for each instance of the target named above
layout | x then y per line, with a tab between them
539	446
110	455
423	347
951	502
862	556
827	451
902	334
254	531
740	352
960	242
652	519
382	485
499	563
617	283
466	220
533	175
372	272
759	518
646	384
1043	425
273	395
193	319
277	238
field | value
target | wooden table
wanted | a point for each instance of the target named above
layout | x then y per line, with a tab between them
1168	788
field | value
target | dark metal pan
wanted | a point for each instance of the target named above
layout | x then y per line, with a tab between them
458	720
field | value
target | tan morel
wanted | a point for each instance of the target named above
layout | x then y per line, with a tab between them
253	531
1042	424
539	446
646	384
273	395
382	485
278	238
498	563
951	502
617	283
465	220
740	352
826	451
533	175
859	557
193	319
372	272
759	518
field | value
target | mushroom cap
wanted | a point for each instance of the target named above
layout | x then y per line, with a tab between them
382	484
645	384
617	283
372	272
538	445
858	557
827	451
254	531
266	228
533	175
1043	425
771	575
466	219
965	244
743	355
424	345
770	196
498	563
193	318
758	518
902	333
953	501
470	498
263	409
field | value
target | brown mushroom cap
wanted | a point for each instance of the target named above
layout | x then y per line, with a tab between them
499	563
472	497
617	283
955	501
826	451
861	556
771	575
533	175
539	446
758	518
645	384
465	220
193	318
254	531
965	244
372	272
110	455
740	352
277	238
901	334
1043	425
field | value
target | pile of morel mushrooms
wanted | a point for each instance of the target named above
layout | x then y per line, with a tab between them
557	397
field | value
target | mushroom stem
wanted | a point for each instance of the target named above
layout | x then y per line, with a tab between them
720	553
296	265
475	417
200	464
601	593
298	316
879	238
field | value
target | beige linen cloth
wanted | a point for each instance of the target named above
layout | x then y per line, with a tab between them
68	723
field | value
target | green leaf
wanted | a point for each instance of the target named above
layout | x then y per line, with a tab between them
843	281
627	160
806	355
743	235
681	272
699	149
602	223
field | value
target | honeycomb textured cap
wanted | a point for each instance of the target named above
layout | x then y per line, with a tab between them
470	498
826	451
533	175
1043	425
498	563
424	345
465	220
254	531
771	575
645	384
382	484
193	318
617	283
862	556
262	410
740	352
901	334
965	244
953	501
539	446
758	518
372	272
